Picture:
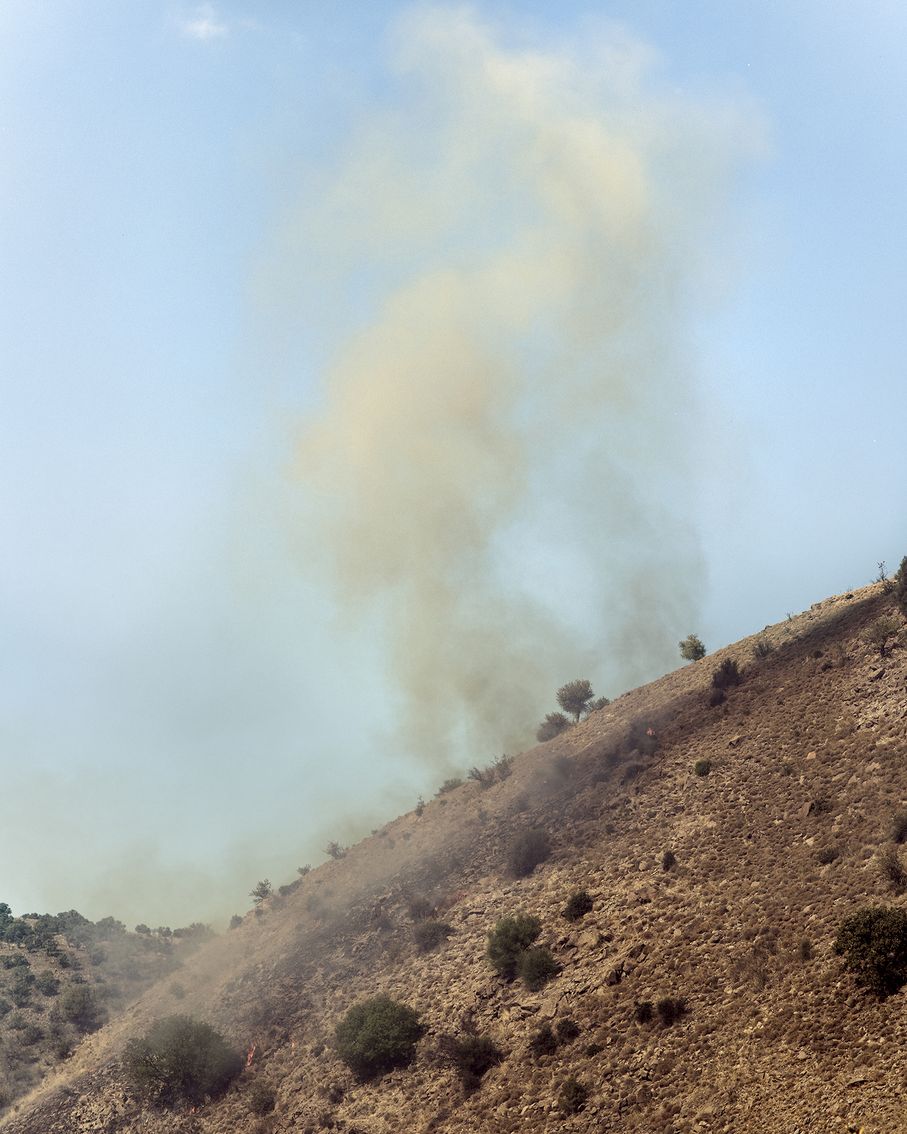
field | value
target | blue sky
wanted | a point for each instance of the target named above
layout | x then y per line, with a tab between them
179	712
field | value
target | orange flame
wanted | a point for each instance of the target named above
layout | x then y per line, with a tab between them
250	1054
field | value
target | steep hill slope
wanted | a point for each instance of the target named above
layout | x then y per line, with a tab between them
782	836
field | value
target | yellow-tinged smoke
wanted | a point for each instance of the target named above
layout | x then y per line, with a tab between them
500	477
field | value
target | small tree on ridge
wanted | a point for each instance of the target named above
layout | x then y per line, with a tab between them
692	648
574	697
261	891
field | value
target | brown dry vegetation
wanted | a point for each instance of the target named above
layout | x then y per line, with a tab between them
807	753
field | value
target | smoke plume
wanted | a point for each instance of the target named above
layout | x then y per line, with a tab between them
499	480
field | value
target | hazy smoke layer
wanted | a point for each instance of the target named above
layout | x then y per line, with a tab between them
500	477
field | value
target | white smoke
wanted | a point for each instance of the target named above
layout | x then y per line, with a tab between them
501	476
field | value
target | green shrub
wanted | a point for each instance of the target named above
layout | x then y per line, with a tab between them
484	777
21	987
726	675
827	855
899	827
544	1041
110	927
643	1011
762	647
536	967
429	935
893	870
235	921
526	851
873	942
670	1009
181	1060
578	905
197	931
702	767
567	1030
30	1035
691	648
509	940
502	766
472	1056
553	725
47	983
496	772
80	1006
261	1097
572	1096
377	1035
61	1044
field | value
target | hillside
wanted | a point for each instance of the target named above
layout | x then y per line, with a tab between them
782	836
63	976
